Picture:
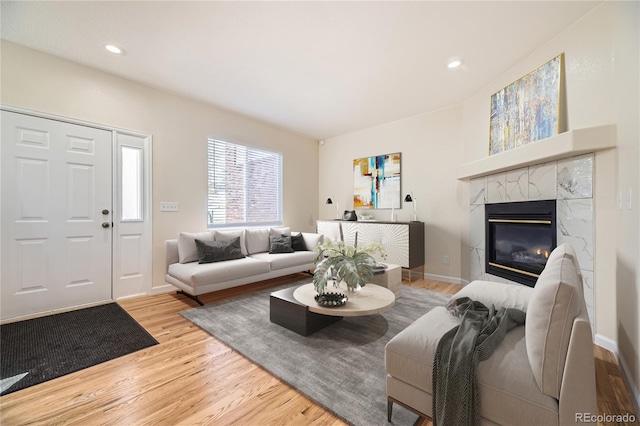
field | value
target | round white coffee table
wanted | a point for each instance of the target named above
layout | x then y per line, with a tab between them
369	300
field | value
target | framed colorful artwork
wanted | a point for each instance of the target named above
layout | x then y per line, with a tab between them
528	109
376	182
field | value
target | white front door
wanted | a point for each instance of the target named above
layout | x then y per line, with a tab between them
56	218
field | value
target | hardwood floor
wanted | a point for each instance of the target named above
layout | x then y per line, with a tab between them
192	378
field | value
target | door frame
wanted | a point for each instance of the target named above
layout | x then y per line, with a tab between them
116	249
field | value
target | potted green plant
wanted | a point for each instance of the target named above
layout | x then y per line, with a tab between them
337	261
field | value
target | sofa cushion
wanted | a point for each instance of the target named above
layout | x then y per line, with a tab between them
311	241
553	306
276	231
218	251
498	294
196	274
257	240
187	250
289	260
280	244
297	242
229	235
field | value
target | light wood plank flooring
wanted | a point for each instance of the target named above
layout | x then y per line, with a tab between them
191	378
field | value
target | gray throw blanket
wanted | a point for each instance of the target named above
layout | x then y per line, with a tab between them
455	388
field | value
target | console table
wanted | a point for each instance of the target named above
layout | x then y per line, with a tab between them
403	242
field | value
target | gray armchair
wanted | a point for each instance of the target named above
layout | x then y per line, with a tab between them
543	373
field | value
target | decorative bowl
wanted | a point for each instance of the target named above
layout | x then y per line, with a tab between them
331	300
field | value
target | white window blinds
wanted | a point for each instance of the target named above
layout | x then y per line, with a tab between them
244	185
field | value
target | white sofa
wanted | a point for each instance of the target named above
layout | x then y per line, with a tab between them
193	278
543	373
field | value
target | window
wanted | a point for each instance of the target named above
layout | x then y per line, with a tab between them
244	185
131	191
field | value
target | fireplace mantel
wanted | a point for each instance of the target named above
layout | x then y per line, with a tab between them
564	145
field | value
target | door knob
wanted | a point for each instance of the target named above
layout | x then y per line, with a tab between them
105	224
105	211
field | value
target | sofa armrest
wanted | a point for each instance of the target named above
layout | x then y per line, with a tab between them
578	394
498	294
170	253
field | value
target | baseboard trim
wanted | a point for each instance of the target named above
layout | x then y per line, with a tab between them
612	346
446	279
162	289
132	296
167	288
606	343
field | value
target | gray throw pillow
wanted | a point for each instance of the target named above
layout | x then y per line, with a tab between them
280	244
297	242
218	251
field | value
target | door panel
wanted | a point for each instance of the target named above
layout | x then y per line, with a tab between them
132	267
56	180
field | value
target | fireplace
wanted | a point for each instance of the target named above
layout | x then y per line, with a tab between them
519	238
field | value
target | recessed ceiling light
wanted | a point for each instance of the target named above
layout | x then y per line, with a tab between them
114	49
454	63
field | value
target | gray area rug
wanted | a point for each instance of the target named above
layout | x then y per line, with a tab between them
340	367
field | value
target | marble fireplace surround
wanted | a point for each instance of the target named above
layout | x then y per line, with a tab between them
568	181
559	168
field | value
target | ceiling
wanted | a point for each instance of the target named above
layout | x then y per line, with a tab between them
322	68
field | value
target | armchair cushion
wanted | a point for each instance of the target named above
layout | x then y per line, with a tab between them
409	355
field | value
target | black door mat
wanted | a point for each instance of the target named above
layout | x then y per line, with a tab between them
41	349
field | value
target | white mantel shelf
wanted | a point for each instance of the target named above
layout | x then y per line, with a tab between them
564	145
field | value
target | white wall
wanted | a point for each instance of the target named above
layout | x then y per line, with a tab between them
627	97
601	74
180	128
431	150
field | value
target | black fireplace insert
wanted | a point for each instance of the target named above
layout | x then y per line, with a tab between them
519	238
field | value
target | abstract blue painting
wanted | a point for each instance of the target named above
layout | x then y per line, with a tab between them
527	110
376	182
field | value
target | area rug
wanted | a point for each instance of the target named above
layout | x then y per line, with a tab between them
340	367
41	349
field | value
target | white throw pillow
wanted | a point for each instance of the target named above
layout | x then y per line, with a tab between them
229	235
278	231
312	240
257	240
187	251
500	295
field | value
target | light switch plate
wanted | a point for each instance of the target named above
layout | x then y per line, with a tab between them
620	200
169	206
